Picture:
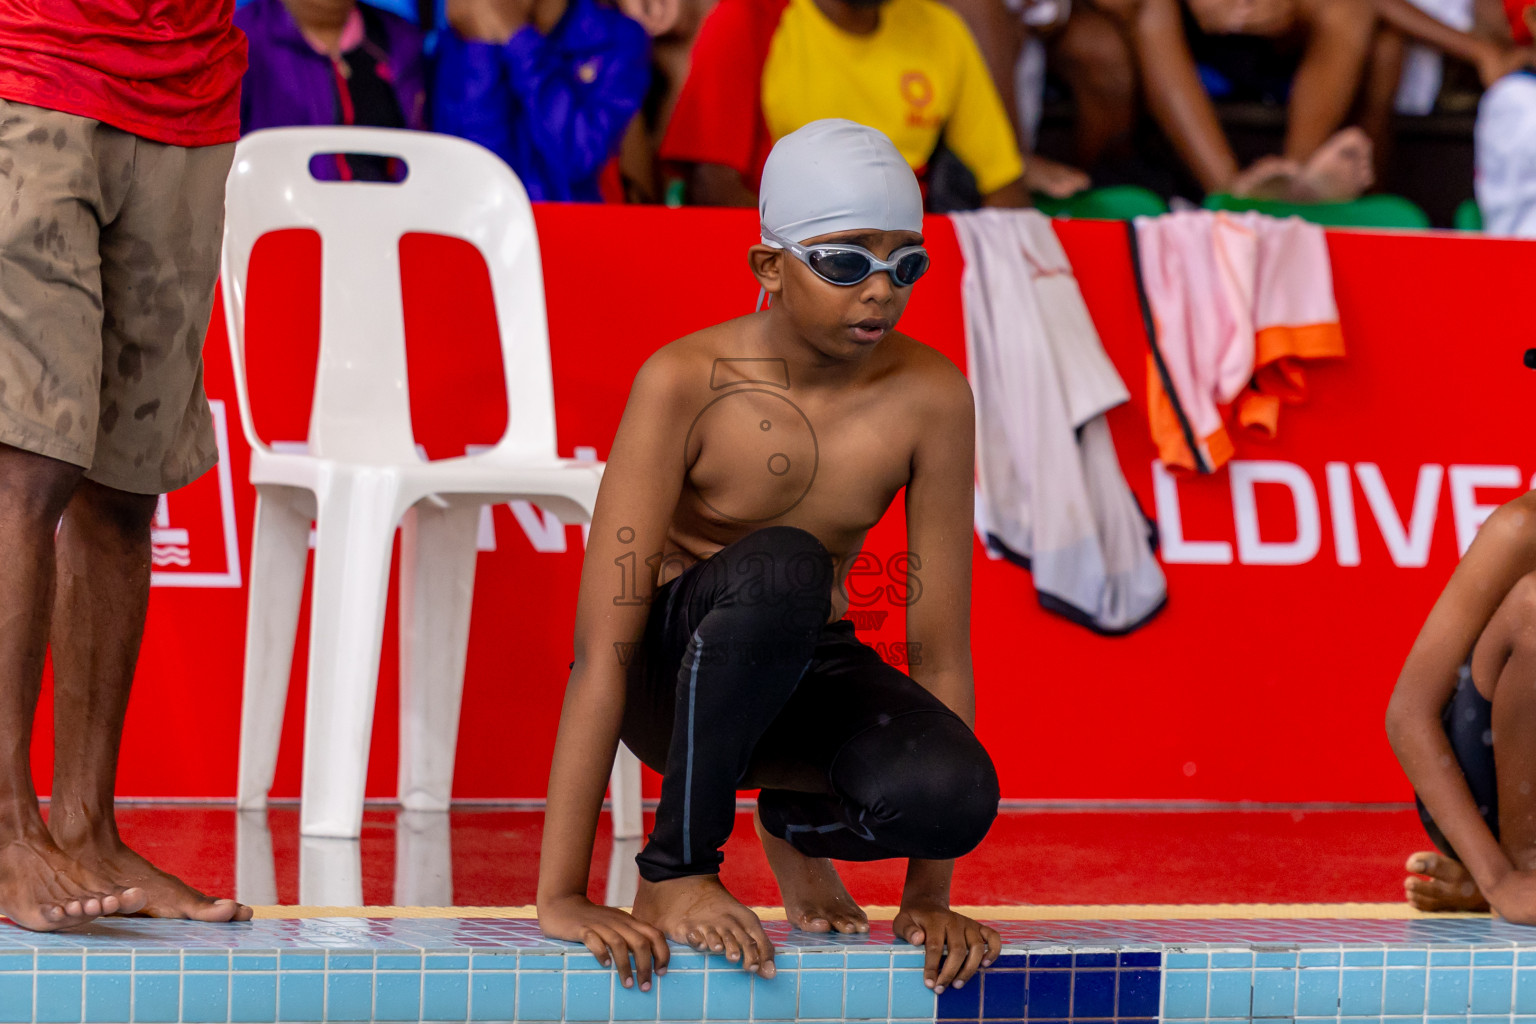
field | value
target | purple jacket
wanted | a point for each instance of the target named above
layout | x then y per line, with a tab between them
289	84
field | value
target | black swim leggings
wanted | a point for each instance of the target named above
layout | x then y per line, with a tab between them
741	683
1468	721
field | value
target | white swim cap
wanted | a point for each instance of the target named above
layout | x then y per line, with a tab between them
837	175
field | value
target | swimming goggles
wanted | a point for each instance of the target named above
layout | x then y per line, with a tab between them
849	264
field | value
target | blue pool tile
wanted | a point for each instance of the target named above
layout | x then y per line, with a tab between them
1039	961
412	961
1317	992
1403	991
1229	959
157	997
1184	994
541	994
1525	990
16	998
59	997
253	997
253	962
1450	957
205	998
728	994
821	996
297	960
1360	992
631	1003
680	994
453	962
1186	961
349	995
1093	994
1050	994
1493	957
1319	957
907	958
1448	991
1407	957
1365	957
397	995
1140	992
776	998
492	995
821	961
1003	994
108	998
14	961
50	960
1274	993
869	960
1275	958
1492	990
867	995
349	961
1141	958
106	962
962	1003
446	996
911	999
208	962
1231	993
1089	961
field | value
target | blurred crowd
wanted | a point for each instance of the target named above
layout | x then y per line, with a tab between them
679	101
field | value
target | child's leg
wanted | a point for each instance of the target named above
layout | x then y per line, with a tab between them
1091	54
741	627
864	764
1491	723
1338	42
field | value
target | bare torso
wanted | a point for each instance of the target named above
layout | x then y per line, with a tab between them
828	458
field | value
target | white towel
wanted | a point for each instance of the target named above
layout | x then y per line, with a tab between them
1049	491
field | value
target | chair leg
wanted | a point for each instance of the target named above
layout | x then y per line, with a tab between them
423	859
330	872
437	583
355	530
279	550
624	796
255	870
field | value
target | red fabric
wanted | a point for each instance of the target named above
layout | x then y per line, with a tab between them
168	70
719	116
1514	10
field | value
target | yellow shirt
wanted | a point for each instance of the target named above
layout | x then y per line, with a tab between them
917	77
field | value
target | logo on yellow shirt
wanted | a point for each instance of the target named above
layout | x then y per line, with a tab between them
917	90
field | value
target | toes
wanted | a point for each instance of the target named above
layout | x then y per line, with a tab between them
813	923
131	901
214	911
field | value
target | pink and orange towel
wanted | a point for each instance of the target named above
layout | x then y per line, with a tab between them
1235	304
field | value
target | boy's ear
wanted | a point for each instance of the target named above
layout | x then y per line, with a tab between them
768	267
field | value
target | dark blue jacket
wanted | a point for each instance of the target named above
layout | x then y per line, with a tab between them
553	107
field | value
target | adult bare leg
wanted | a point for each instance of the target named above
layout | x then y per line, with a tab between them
40	886
99	610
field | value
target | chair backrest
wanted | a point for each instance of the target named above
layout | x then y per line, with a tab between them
1115	202
361	408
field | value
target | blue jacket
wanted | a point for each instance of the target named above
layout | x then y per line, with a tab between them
553	107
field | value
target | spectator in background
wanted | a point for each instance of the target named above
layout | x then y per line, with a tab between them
1505	141
548	85
1312	51
325	62
910	68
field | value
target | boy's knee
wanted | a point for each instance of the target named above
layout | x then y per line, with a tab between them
1338	20
1096	58
938	792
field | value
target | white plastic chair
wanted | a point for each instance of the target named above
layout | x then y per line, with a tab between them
361	475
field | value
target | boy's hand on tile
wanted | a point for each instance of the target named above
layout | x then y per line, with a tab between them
956	946
634	948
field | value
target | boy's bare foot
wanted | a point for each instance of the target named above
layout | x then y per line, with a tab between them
42	889
1447	885
1269	177
815	899
1339	171
1053	178
164	895
697	910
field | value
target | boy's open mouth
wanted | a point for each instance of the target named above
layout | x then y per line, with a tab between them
872	329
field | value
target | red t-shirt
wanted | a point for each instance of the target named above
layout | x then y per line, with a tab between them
168	70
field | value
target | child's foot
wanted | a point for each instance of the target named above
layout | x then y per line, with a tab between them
697	910
161	894
815	899
43	889
1339	171
1448	885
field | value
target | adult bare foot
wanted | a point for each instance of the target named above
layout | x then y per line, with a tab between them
1053	178
1437	882
697	910
164	895
43	889
1339	171
815	899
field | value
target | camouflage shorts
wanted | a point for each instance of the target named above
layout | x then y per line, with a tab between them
109	250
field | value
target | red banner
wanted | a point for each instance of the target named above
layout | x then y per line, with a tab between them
1297	578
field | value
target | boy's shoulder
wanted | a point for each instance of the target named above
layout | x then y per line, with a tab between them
928	375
